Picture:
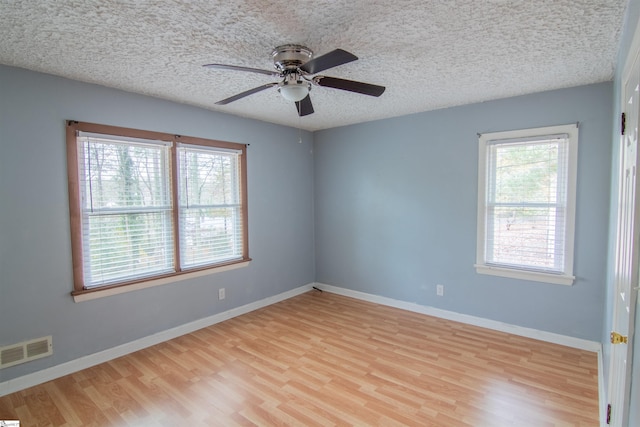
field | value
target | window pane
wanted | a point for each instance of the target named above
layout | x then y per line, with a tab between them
210	212
124	175
126	209
127	246
525	236
525	172
210	235
526	204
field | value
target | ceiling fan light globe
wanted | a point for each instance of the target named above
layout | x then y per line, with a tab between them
294	93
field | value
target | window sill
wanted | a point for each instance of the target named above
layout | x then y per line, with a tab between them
556	279
107	292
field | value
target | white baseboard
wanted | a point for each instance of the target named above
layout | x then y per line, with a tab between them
84	362
465	318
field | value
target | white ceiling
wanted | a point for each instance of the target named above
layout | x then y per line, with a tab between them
429	54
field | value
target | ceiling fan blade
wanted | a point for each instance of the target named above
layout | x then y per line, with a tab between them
304	107
246	93
238	68
328	60
350	85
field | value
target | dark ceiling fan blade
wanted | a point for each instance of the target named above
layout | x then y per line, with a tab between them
328	60
246	93
350	85
238	68
304	107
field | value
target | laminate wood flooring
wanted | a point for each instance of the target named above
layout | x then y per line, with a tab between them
321	359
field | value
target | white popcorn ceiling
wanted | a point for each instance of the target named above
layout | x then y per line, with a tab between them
428	54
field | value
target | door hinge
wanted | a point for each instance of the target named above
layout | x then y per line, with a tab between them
609	413
623	123
616	338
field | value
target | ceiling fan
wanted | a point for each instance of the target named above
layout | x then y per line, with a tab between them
295	67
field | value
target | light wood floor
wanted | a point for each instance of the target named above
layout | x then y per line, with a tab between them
321	359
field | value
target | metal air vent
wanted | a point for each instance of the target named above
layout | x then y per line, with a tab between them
25	351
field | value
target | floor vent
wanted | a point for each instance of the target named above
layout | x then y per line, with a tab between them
25	351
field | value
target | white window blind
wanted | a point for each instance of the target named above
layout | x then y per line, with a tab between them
210	208
527	201
127	228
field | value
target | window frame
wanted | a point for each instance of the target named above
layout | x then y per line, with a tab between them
73	129
566	277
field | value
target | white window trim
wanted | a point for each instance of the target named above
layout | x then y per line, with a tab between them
567	278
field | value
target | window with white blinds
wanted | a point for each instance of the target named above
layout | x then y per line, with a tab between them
210	205
526	203
127	229
147	205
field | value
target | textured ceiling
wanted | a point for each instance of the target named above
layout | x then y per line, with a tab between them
429	54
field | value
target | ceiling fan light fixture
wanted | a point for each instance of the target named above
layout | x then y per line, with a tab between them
294	92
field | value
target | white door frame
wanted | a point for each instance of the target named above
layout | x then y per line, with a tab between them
620	377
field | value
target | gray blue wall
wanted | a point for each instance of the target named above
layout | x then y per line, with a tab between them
396	204
35	252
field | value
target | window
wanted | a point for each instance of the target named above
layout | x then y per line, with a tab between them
148	205
526	203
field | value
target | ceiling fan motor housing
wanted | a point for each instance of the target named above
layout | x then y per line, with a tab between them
289	57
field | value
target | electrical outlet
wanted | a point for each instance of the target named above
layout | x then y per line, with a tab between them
221	294
440	290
